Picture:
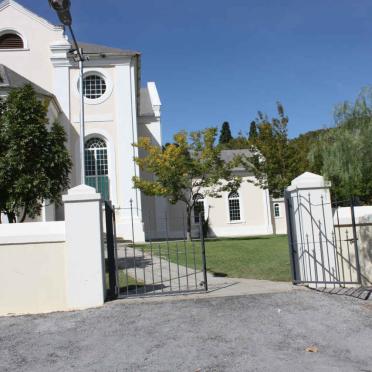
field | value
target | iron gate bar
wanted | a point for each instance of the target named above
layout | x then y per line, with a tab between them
161	268
152	270
186	265
290	238
341	248
193	249
113	290
201	223
359	274
325	230
313	234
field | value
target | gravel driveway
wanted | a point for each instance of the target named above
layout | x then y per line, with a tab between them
267	332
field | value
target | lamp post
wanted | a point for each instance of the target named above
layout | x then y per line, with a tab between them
62	7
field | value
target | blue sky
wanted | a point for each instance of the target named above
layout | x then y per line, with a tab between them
217	60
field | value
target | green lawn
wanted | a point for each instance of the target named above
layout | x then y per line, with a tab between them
264	257
124	284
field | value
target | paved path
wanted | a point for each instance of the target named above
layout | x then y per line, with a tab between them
161	275
266	332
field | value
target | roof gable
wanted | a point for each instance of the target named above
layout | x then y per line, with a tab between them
11	3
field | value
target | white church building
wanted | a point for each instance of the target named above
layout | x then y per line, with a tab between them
118	110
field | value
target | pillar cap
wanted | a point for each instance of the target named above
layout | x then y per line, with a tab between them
309	180
81	193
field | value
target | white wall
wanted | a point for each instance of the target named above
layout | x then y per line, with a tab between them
54	266
32	277
343	227
280	222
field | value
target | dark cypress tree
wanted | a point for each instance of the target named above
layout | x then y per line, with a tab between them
225	134
252	131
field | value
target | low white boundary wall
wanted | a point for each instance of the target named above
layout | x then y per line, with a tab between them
35	232
54	266
363	219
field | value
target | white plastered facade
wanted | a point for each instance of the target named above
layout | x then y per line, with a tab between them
119	117
115	117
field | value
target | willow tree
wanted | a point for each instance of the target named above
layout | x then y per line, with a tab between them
34	162
189	166
345	150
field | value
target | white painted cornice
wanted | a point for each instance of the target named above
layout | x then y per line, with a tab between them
59	51
11	3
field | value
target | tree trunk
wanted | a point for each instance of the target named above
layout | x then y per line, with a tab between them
188	222
11	217
24	214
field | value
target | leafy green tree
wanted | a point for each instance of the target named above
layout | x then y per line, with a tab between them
239	142
273	161
185	168
302	146
252	132
34	162
225	134
345	150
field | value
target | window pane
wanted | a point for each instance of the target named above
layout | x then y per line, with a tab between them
94	86
198	208
276	210
234	209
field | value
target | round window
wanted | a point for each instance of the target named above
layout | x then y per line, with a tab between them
94	86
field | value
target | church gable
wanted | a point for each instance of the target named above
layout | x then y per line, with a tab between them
11	7
25	40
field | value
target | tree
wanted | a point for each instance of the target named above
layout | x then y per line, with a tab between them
345	150
302	146
225	134
252	132
34	163
185	168
273	160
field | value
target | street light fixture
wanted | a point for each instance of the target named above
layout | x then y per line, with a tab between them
62	8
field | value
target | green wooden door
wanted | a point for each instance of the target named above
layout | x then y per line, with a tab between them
96	166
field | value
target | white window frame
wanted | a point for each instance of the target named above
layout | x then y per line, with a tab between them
280	215
204	207
241	204
104	75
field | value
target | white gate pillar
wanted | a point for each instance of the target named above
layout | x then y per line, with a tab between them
85	272
310	229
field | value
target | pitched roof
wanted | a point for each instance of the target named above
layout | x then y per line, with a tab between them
10	79
102	49
228	155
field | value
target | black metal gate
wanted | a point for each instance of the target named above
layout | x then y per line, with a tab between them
111	260
153	268
322	253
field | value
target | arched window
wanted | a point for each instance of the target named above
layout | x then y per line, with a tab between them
198	207
11	40
96	166
276	210
234	206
